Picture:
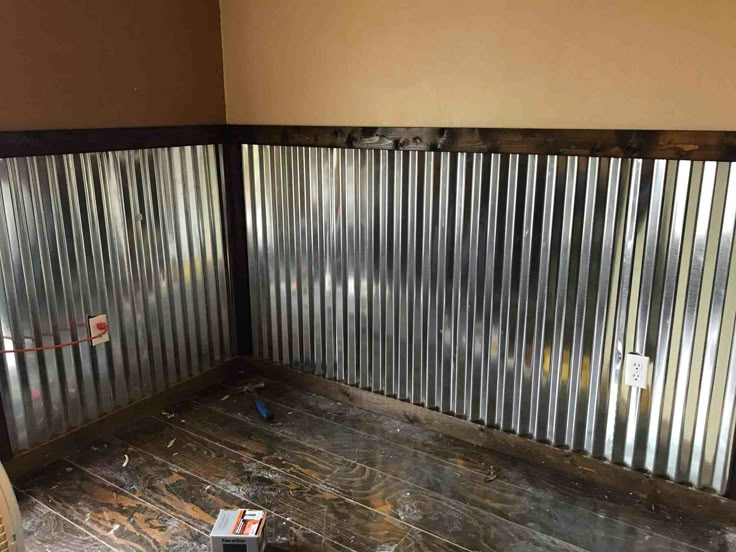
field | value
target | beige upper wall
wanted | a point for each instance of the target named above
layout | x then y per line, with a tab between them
655	64
109	63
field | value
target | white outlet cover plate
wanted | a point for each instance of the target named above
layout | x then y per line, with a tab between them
636	370
93	320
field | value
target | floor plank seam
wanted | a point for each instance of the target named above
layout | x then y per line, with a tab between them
62	516
394	444
184	470
336	492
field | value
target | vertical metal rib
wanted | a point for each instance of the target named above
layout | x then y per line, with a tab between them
622	306
674	463
383	345
458	327
522	368
429	280
601	306
295	254
380	291
471	349
170	261
317	248
576	355
328	158
705	391
413	375
281	227
444	312
725	428
541	301
192	180
218	199
269	262
401	273
388	269
340	230
365	277
286	223
351	255
645	301
556	364
505	354
207	254
254	235
157	324
476	285
305	260
669	290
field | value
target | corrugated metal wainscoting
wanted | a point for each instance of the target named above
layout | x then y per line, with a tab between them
507	289
134	234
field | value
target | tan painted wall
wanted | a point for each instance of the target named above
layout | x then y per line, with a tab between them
650	64
106	63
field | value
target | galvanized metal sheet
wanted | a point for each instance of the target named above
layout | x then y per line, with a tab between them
136	235
507	289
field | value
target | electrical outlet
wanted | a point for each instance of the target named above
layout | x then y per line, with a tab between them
94	330
636	371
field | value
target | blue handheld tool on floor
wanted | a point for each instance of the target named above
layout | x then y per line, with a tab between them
263	410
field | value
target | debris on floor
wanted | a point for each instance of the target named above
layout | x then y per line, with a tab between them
491	475
251	387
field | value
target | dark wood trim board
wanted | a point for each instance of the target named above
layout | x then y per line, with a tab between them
573	465
64	444
647	144
237	245
49	142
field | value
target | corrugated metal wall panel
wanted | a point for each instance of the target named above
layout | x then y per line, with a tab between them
507	289
133	234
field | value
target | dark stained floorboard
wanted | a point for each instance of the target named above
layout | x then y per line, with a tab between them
419	541
340	520
447	519
45	530
110	514
538	511
625	507
334	478
189	498
257	442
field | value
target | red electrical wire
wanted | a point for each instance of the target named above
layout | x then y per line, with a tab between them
100	326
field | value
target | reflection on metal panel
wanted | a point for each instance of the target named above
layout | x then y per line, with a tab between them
507	289
136	235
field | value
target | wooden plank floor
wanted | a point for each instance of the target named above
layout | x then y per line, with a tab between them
334	477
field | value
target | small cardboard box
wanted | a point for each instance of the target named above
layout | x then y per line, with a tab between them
239	531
